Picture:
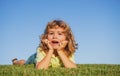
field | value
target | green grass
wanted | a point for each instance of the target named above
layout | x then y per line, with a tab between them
81	70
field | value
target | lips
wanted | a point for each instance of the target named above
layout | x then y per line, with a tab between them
55	42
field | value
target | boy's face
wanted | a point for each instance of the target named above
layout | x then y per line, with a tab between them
56	36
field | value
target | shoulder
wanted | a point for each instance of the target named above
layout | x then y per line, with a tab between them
72	58
40	50
40	54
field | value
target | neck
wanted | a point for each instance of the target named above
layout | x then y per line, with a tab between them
55	53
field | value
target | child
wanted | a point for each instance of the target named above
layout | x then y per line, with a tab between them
57	47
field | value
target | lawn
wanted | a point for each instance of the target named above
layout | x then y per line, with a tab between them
81	70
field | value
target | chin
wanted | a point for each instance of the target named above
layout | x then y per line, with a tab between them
55	48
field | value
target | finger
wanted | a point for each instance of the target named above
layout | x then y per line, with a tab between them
64	42
46	41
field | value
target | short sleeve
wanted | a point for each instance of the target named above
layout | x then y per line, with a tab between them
72	58
40	55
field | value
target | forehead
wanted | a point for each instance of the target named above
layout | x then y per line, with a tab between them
58	29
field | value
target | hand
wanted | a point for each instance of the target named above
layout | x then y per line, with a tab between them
62	45
47	42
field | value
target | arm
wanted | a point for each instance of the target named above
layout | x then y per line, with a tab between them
66	61
44	63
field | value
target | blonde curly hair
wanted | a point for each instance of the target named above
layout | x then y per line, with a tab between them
70	47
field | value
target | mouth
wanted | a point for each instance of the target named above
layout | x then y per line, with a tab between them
55	42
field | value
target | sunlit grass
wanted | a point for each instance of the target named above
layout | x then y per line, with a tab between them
81	70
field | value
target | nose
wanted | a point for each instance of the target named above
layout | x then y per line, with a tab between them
55	36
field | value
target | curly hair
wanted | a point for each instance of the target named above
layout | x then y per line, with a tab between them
70	47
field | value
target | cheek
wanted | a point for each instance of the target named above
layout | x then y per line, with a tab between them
62	38
49	37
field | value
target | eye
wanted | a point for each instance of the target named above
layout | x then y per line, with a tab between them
60	33
50	33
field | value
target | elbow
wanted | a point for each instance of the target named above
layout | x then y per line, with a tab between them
71	66
74	66
36	66
40	67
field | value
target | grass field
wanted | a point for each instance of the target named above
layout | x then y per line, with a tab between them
81	70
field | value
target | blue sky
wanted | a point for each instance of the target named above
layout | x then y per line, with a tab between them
95	24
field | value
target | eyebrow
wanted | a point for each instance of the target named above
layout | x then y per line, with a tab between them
63	31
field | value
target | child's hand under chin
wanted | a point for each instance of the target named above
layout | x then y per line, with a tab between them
62	45
47	42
